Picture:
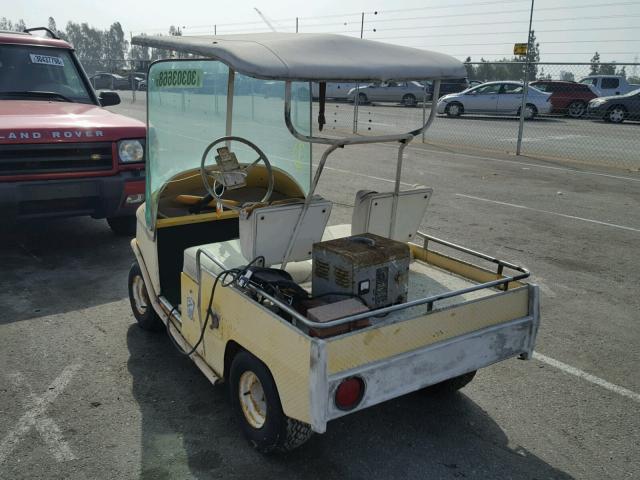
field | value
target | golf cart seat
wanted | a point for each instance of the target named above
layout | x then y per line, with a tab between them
275	221
372	213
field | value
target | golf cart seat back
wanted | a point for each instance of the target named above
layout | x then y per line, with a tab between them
372	213
267	231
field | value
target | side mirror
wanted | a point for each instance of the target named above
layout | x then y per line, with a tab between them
108	98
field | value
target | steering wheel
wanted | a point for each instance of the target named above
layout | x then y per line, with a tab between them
217	174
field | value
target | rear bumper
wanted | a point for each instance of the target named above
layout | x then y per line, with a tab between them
98	197
392	377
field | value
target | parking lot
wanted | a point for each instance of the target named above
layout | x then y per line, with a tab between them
87	394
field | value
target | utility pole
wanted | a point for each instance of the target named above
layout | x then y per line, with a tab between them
356	99
525	88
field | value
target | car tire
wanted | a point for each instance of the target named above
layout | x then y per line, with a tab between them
256	403
454	109
452	385
530	111
409	100
362	99
616	114
143	311
576	109
123	226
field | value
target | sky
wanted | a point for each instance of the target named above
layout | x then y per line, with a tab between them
568	30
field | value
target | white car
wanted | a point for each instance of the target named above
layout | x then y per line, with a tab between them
496	98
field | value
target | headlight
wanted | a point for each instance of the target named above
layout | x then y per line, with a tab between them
597	102
131	151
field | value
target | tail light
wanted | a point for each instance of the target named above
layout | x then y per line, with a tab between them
349	393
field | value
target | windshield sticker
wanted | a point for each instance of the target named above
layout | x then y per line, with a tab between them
47	60
179	78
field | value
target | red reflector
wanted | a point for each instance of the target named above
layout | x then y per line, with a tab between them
349	393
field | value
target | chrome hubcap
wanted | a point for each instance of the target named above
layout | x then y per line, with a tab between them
252	399
140	297
454	109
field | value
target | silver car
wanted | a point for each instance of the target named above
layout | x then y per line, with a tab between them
338	91
406	93
496	98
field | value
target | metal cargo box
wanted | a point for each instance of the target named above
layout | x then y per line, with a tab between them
373	268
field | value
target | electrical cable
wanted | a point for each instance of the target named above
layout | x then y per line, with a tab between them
235	274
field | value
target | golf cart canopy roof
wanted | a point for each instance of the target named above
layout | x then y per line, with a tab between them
313	57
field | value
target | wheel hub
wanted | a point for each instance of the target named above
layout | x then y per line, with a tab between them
252	399
140	297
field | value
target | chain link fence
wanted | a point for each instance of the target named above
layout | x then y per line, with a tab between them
562	128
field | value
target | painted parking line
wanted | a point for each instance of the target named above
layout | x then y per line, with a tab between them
625	392
563	215
35	418
380	179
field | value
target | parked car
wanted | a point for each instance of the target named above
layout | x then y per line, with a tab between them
407	93
453	85
496	98
608	85
337	91
61	153
135	78
617	108
110	81
567	98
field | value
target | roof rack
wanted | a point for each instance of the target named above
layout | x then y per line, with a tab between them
51	33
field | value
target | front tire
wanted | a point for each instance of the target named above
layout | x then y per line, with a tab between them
454	109
123	226
616	114
256	403
362	99
143	311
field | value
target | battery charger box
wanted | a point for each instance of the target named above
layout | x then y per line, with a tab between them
370	267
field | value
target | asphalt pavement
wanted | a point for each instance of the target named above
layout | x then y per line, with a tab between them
84	393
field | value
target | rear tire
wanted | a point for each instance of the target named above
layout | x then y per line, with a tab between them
452	385
409	100
616	114
256	403
576	109
123	226
530	112
143	311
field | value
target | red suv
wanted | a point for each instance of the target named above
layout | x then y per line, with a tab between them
567	98
61	153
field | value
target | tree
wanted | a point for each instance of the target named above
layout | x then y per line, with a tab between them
622	72
567	76
595	64
607	69
470	70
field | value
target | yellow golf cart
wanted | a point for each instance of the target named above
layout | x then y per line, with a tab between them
305	322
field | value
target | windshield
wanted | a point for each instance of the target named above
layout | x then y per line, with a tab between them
187	110
26	68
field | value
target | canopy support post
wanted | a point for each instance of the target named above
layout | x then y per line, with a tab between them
396	190
229	122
